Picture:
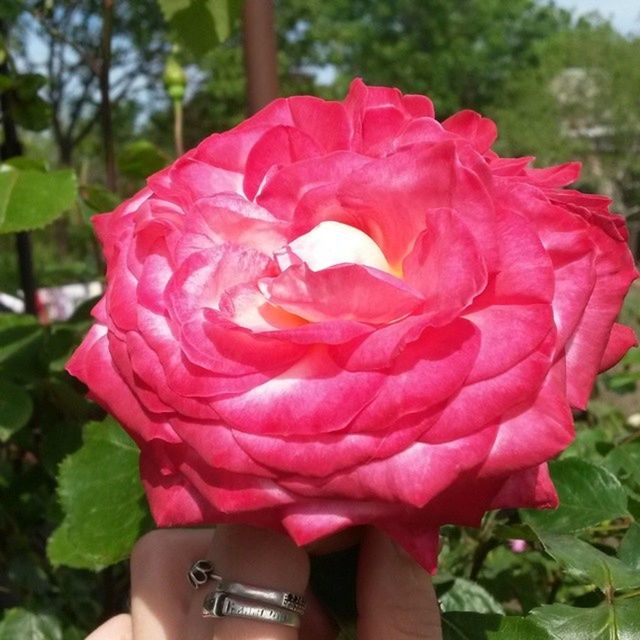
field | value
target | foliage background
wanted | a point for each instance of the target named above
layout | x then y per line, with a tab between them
558	87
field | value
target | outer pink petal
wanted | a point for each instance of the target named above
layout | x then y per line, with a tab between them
528	437
229	218
319	455
215	444
531	488
429	371
419	540
92	364
586	348
108	226
387	198
313	396
201	280
436	259
348	291
478	404
285	188
378	349
279	146
189	179
310	520
414	476
621	339
229	351
509	334
481	132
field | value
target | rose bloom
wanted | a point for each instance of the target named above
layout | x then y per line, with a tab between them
345	313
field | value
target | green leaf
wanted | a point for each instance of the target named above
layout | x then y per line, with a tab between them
21	340
23	162
624	382
171	7
101	496
624	461
588	495
583	559
196	22
20	624
31	199
99	198
465	595
140	159
15	409
221	18
629	551
477	626
619	620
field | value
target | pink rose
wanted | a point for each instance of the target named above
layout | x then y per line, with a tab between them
347	312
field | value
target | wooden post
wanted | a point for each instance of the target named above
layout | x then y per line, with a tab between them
260	53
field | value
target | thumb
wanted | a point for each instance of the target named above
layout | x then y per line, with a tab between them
396	599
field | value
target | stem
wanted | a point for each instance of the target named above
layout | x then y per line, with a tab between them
178	138
612	528
486	544
105	102
556	583
260	53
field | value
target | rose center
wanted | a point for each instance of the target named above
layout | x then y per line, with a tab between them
331	243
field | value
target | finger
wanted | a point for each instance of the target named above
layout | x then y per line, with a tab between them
395	596
160	591
254	557
116	628
317	624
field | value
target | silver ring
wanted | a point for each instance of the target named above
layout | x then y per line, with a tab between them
201	572
281	599
219	604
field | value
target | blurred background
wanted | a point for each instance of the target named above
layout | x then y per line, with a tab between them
97	94
561	80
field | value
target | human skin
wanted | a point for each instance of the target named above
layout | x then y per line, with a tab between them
395	596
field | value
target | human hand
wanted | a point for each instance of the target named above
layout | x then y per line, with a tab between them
395	597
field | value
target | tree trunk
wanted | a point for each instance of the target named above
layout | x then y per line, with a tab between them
11	146
105	98
260	53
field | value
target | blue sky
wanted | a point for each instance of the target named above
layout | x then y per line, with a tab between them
625	14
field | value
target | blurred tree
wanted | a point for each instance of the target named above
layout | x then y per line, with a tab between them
63	41
581	101
459	53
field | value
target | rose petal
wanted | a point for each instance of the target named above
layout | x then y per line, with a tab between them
621	339
387	198
346	291
446	252
313	396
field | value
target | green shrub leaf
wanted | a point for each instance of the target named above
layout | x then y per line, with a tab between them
31	199
618	620
465	595
15	409
629	551
199	25
140	159
101	496
605	571
20	624
478	626
588	496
